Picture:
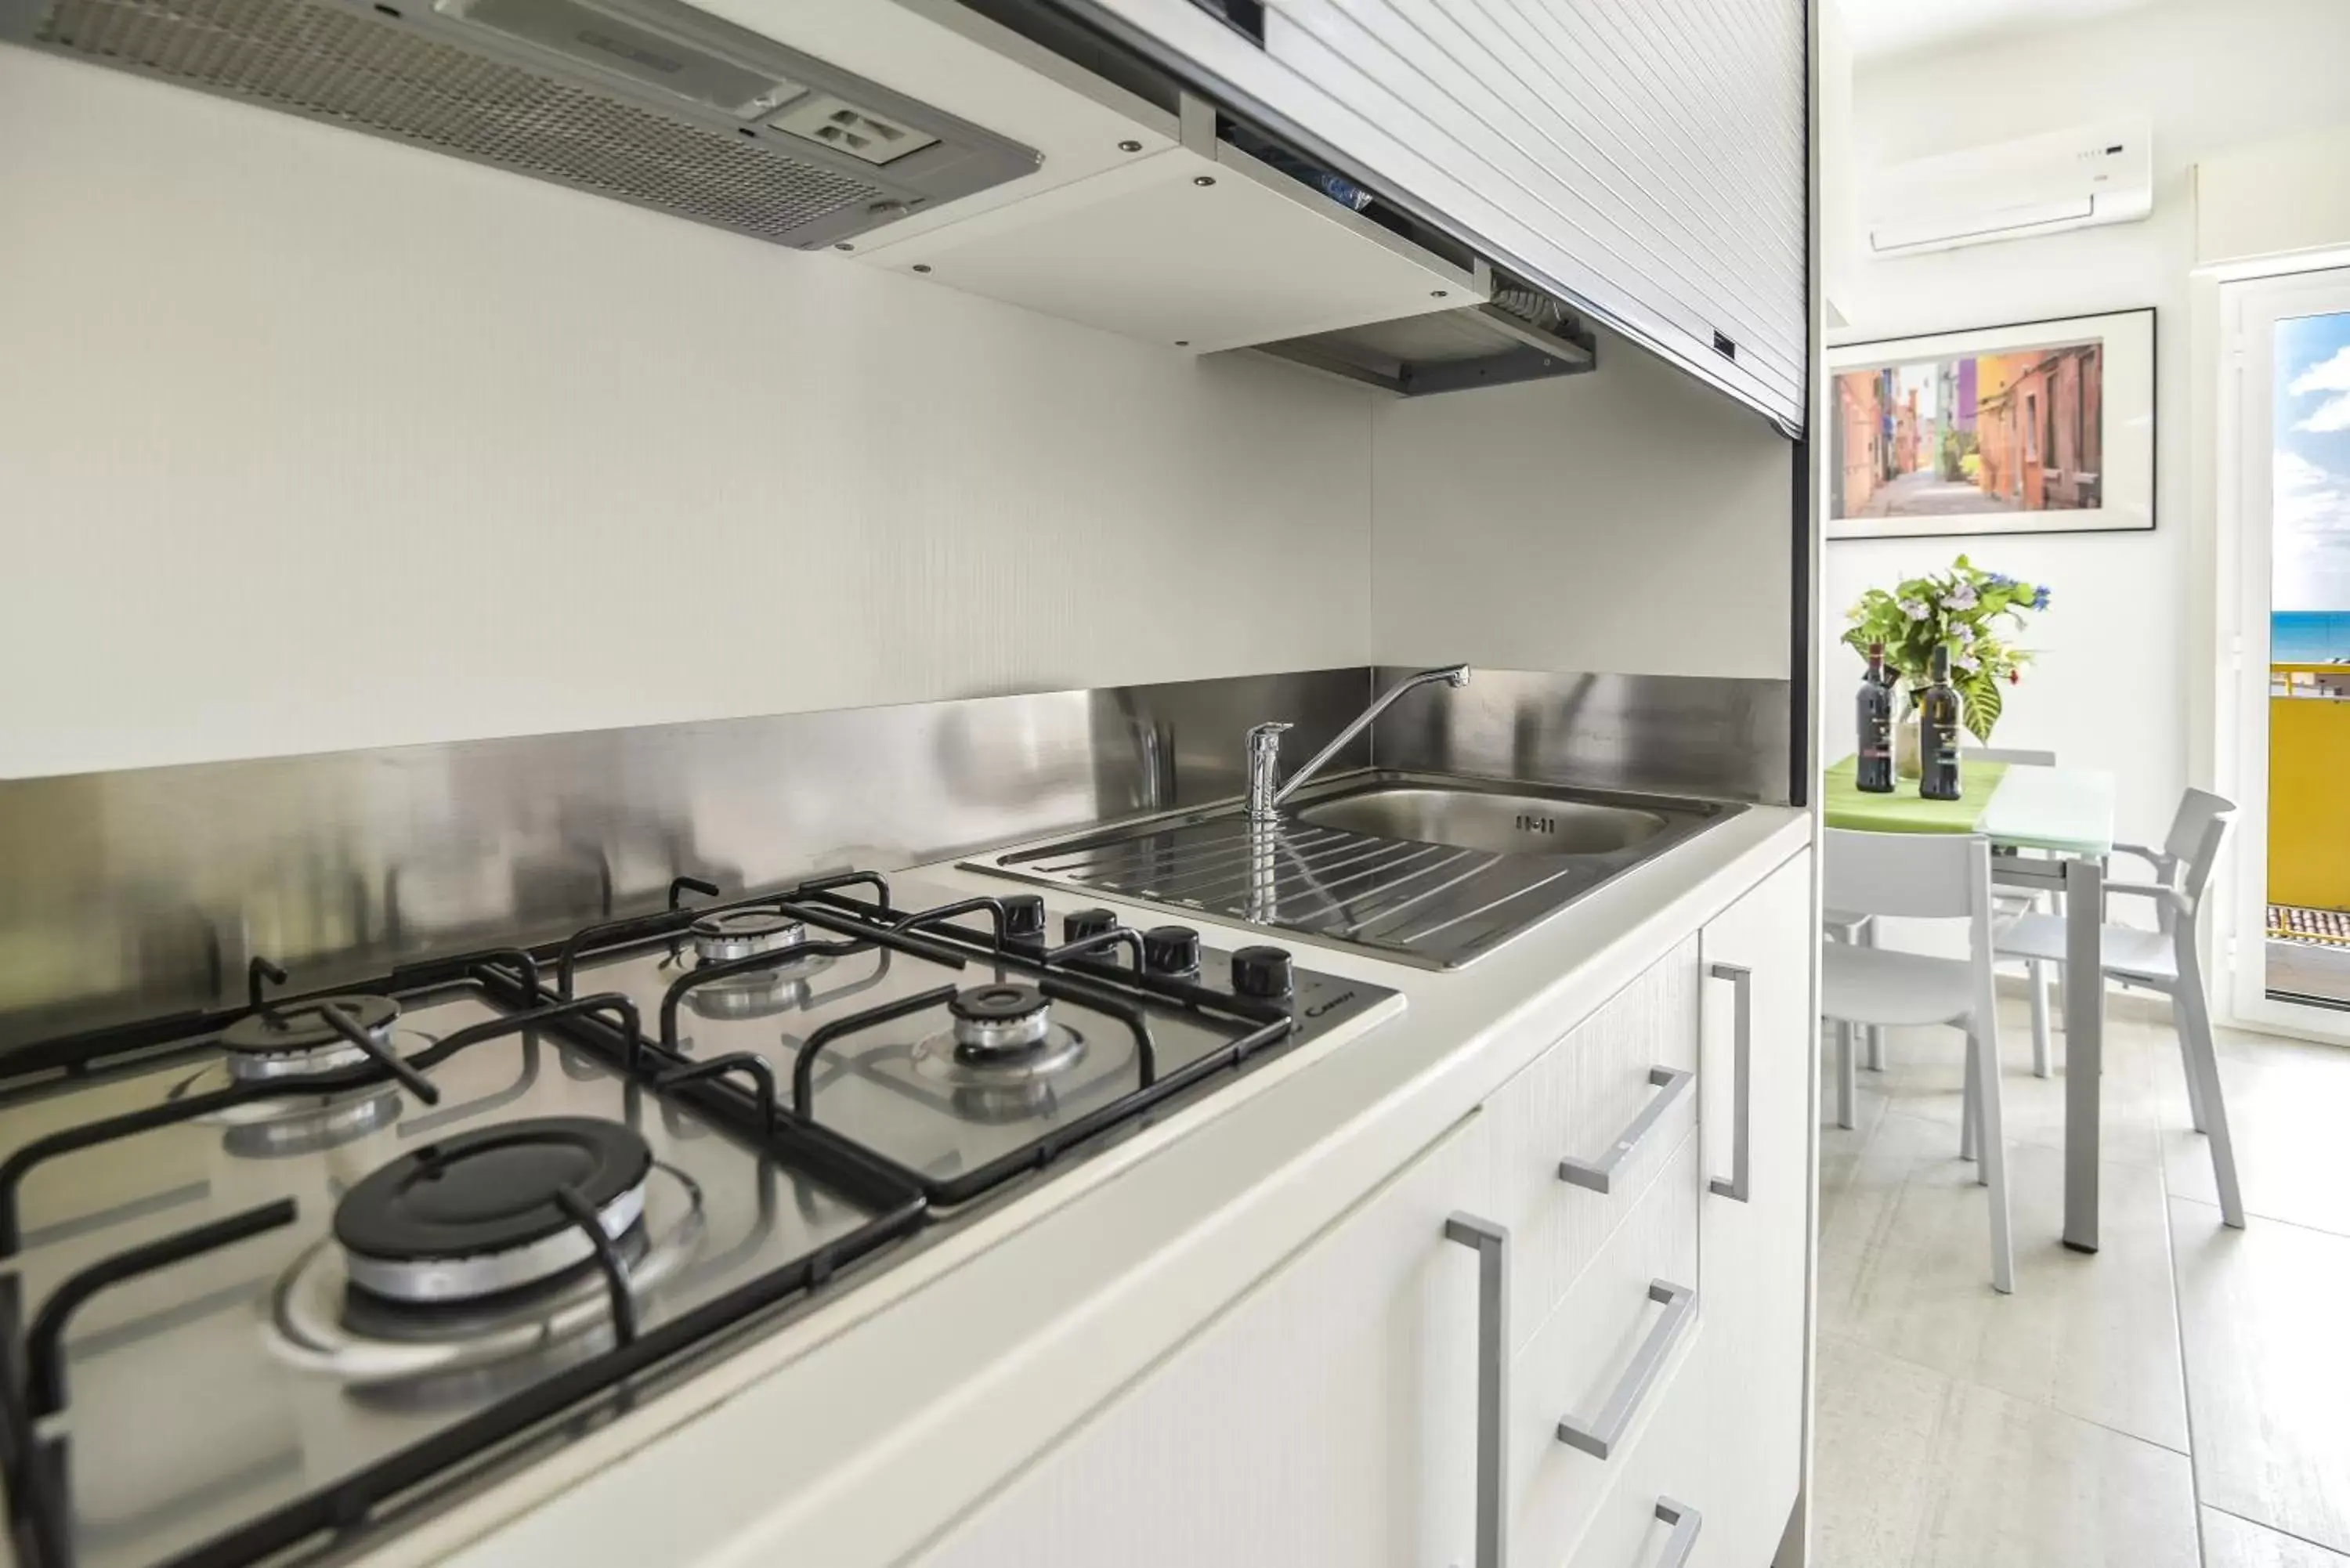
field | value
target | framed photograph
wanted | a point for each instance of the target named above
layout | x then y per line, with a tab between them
2042	426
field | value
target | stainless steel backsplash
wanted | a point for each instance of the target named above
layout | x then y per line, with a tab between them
134	894
1674	734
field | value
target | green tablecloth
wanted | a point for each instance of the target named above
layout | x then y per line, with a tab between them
1904	811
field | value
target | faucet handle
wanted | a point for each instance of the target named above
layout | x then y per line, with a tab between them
1268	732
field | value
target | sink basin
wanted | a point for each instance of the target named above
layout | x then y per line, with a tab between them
1422	868
1495	823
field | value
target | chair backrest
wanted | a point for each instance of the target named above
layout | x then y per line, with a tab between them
1909	875
2196	834
2012	757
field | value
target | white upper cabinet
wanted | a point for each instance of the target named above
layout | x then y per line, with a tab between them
1839	196
1645	158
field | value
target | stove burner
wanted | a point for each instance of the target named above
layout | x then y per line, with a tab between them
297	1042
990	1019
323	1124
476	1214
316	1320
1003	1037
297	1124
739	933
759	996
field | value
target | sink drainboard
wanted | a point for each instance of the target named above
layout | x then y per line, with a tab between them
1433	905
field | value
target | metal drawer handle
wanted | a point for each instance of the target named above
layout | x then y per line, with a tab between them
1597	1174
1599	1438
1686	1522
1742	1081
1493	1244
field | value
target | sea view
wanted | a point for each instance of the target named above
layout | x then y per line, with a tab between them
2309	636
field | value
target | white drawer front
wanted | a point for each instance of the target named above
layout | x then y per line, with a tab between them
1657	1515
1612	1346
1576	1102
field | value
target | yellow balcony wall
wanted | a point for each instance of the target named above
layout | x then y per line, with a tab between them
2309	789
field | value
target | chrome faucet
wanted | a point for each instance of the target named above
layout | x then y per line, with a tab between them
1265	790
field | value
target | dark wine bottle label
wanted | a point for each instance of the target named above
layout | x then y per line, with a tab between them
1873	769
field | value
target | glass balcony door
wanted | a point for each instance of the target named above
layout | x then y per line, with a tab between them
2288	344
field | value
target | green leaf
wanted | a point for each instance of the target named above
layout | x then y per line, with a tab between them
1980	699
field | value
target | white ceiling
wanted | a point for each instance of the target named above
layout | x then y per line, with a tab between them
1882	28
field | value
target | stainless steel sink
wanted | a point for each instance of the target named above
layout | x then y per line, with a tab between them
1504	824
1425	869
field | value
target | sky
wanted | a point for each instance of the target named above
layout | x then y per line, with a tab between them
1921	379
2312	463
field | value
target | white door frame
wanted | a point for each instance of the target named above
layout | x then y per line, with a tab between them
2249	311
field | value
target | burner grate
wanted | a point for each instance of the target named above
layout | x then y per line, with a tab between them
839	1207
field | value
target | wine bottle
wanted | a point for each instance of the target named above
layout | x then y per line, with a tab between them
1937	733
1874	770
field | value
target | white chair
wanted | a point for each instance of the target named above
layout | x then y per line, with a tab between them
1848	925
2166	960
1921	876
1857	929
2015	902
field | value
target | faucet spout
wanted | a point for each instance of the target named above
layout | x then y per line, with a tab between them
1266	792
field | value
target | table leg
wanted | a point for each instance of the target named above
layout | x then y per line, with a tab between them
2084	1047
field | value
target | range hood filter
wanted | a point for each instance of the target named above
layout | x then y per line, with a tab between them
675	119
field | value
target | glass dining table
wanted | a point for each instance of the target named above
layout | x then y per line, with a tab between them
2067	814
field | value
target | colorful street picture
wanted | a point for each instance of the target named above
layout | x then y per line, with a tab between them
2020	431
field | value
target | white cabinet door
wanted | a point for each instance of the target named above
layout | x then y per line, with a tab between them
1329	1417
1754	1249
1648	158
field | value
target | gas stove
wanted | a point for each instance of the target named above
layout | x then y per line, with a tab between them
271	1280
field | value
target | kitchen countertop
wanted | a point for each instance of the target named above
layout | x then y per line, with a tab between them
860	1432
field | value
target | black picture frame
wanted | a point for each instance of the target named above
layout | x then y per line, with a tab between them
2137	419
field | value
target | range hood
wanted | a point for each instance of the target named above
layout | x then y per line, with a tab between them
926	138
645	100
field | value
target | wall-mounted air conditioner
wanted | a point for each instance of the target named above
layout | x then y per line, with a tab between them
2101	173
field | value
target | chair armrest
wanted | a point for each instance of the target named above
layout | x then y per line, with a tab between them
2171	896
2162	860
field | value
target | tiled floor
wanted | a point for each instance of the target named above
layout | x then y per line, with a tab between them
2181	1397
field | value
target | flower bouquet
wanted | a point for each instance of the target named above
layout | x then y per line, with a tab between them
1962	609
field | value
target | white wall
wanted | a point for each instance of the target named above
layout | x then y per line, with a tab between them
2271	199
1628	520
309	441
2112	684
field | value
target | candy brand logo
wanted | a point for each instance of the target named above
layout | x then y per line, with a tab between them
1319	1008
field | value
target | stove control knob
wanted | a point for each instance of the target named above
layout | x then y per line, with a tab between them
1024	918
1079	924
1265	973
1171	949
